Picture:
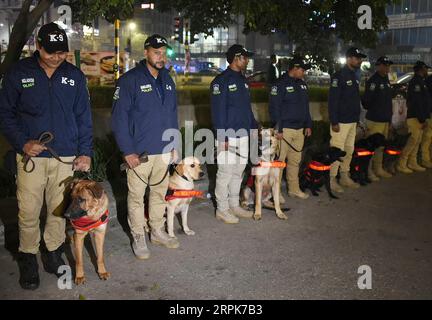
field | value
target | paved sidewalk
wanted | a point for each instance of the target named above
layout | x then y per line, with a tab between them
313	255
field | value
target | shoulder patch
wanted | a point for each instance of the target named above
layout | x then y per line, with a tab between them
372	86
232	87
273	91
335	83
116	93
216	89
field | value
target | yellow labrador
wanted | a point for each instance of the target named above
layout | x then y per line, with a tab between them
88	212
181	192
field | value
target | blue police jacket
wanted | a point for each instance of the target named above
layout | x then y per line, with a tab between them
418	99
31	103
231	103
289	104
344	97
377	99
143	108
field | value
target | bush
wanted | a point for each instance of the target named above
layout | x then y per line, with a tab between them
101	96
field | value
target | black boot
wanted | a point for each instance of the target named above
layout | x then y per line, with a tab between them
54	261
29	275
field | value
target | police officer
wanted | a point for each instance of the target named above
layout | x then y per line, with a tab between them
344	113
44	93
289	108
377	100
144	108
232	119
425	145
418	103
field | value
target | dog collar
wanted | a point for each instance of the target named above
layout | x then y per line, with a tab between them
318	166
181	175
182	194
360	152
86	224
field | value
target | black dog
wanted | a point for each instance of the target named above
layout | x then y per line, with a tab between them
363	151
317	172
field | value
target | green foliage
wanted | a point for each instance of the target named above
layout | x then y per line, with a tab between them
312	25
85	12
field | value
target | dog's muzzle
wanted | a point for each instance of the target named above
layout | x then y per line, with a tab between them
74	212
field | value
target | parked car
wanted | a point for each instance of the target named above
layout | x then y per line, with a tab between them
257	79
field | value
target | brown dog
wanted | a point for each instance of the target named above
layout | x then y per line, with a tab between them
88	212
182	181
266	179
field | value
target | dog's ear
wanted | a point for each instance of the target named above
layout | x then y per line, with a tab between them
95	189
180	169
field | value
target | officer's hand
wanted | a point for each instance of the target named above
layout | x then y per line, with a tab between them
335	127
279	135
82	163
308	132
33	148
132	160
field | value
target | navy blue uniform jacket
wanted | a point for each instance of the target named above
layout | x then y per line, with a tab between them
31	103
289	104
418	99
231	103
344	97
143	108
377	99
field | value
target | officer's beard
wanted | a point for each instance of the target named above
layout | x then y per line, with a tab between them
155	65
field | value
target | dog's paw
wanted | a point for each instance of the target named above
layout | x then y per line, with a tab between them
80	280
104	275
282	215
257	216
190	232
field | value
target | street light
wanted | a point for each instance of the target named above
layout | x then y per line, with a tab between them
132	26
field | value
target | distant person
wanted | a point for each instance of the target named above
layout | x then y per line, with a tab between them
344	114
418	103
273	72
377	100
231	109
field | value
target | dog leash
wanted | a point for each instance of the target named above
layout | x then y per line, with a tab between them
44	138
155	184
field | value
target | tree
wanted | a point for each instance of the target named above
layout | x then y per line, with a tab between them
312	25
83	11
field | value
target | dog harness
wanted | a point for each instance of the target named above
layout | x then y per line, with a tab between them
86	224
360	152
272	164
182	194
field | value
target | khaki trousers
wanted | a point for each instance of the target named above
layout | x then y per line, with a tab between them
296	138
409	152
378	127
46	182
230	173
344	140
151	172
426	141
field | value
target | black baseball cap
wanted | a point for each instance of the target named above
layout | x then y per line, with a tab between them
419	65
156	41
355	52
53	38
383	60
237	50
298	62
